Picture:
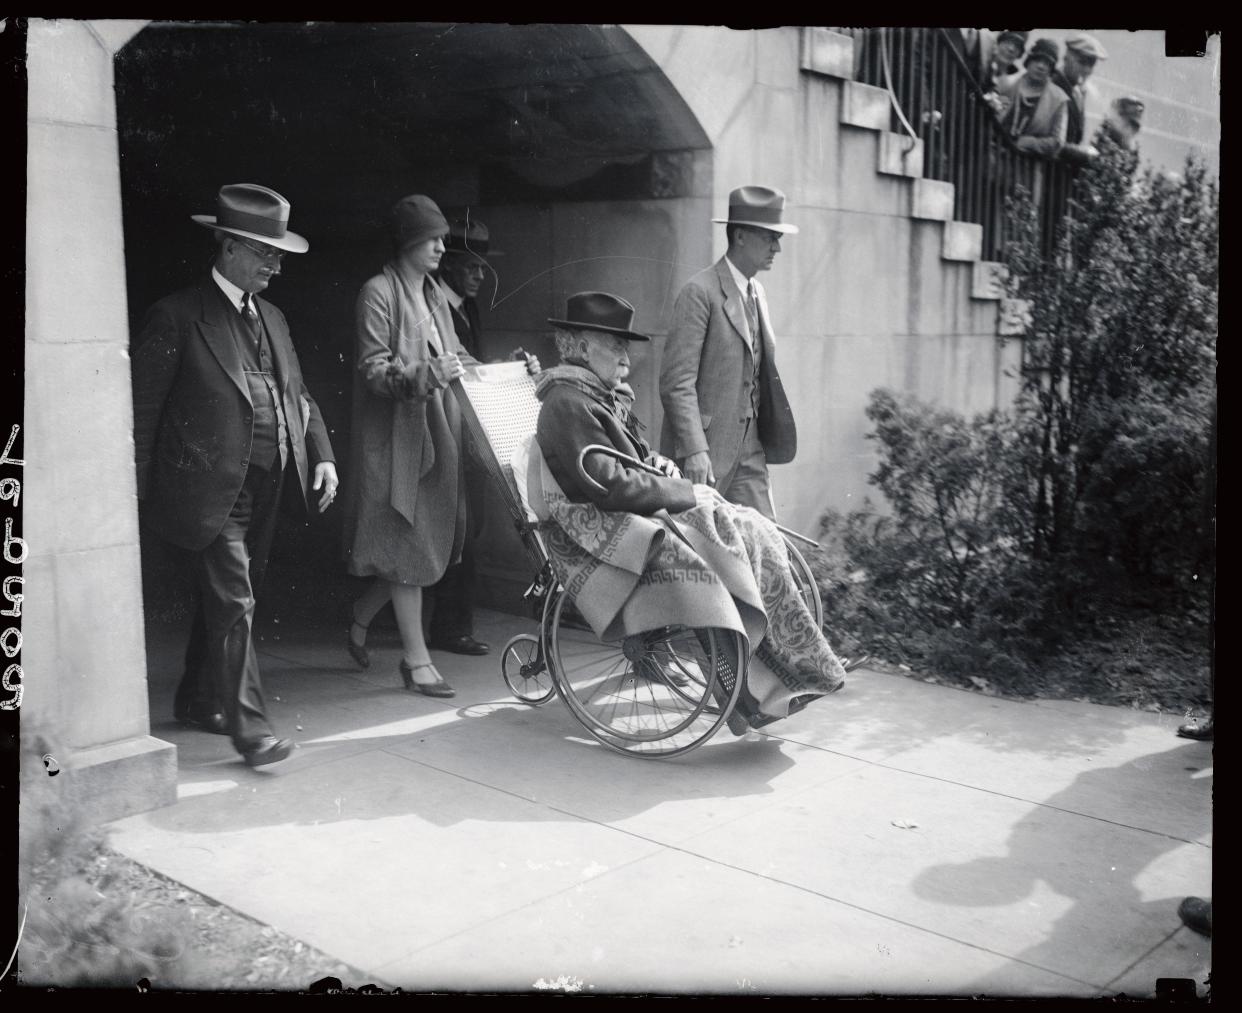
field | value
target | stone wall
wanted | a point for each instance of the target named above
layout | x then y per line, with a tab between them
84	658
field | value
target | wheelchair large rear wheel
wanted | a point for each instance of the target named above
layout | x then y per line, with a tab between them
660	693
804	579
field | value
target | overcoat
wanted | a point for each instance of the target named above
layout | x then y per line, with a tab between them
707	376
1045	133
404	511
577	412
193	414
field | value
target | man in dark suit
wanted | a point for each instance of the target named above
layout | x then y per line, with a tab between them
726	416
221	417
462	270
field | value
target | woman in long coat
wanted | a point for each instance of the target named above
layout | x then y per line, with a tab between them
405	520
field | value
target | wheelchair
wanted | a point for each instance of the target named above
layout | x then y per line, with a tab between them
657	694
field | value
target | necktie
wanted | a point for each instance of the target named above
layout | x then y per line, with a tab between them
249	314
752	313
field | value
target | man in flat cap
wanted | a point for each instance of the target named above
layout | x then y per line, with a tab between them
222	418
1082	52
726	417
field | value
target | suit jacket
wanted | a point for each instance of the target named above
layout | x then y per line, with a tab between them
1075	111
466	323
1045	133
193	413
708	373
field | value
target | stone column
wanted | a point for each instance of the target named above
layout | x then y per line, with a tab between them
84	657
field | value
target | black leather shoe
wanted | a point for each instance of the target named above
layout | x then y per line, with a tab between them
268	750
1196	913
358	652
1201	729
215	723
465	644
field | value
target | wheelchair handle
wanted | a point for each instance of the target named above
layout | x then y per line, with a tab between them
634	462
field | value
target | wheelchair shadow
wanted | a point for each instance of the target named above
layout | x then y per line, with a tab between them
492	761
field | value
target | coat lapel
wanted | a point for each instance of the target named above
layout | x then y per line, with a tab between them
218	336
765	323
732	301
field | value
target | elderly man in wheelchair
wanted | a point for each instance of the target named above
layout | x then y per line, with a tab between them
711	615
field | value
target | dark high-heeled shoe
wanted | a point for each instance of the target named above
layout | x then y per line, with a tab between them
357	651
438	688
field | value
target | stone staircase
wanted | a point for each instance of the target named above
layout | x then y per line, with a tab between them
866	107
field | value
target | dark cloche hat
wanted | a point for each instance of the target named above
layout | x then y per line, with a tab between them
1043	49
416	218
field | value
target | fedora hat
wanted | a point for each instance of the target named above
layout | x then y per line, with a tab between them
599	311
759	206
414	219
253	211
470	236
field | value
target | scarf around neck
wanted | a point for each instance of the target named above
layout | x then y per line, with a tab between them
619	400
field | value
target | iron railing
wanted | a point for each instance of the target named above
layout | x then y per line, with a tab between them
937	98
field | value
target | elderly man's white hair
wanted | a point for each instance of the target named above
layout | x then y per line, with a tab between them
572	344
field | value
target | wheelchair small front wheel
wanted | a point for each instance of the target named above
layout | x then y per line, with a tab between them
525	670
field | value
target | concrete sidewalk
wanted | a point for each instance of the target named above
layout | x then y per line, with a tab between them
897	838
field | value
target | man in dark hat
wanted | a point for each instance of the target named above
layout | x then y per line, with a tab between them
221	418
462	270
726	417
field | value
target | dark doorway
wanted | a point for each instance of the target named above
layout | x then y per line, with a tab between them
568	141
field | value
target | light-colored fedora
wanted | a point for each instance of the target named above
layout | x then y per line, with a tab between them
253	211
759	206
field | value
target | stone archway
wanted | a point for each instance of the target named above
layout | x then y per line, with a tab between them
568	140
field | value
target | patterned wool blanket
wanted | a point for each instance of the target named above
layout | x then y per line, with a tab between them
716	564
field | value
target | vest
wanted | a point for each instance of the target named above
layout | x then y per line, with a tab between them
269	435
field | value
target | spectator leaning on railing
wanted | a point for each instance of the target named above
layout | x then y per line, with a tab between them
1124	120
1081	54
1000	58
1032	109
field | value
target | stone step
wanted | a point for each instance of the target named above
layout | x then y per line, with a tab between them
932	200
864	105
963	241
901	155
1014	318
827	52
987	279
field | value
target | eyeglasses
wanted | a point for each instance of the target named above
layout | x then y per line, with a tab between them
263	252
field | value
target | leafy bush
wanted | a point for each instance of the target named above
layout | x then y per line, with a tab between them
1010	531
